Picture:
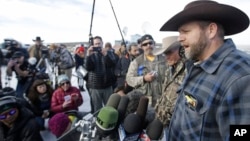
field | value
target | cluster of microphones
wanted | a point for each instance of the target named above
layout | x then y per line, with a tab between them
113	121
136	126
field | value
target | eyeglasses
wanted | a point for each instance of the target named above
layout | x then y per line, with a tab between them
65	83
11	113
148	43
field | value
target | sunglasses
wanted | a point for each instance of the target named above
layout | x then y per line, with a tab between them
65	83
148	43
11	113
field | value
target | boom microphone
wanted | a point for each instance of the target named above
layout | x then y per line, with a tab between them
114	100
155	129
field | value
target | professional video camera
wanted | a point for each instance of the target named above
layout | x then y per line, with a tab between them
10	45
45	52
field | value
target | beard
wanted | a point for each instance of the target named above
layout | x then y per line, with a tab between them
196	49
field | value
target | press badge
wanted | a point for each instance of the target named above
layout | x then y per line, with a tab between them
191	101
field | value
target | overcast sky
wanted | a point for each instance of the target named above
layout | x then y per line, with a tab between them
69	20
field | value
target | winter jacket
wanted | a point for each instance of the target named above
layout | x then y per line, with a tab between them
165	105
140	67
36	51
66	59
121	69
58	99
79	61
24	129
39	102
100	70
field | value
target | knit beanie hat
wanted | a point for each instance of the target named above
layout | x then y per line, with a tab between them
58	124
62	78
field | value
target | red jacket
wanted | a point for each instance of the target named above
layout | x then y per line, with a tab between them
58	99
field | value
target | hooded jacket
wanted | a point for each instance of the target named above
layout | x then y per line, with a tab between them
24	129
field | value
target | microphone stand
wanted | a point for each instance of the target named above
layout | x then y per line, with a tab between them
91	21
117	23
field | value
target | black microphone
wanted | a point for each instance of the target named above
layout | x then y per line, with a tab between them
134	98
132	126
114	100
122	107
142	108
155	129
150	116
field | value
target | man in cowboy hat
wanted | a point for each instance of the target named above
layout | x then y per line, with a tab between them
37	51
215	92
173	78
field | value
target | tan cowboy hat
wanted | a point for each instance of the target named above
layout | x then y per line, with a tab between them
231	18
168	43
38	39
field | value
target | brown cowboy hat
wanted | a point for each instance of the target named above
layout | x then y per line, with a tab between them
232	19
38	39
168	43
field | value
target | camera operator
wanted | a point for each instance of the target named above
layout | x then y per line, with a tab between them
36	51
19	65
61	56
100	65
12	47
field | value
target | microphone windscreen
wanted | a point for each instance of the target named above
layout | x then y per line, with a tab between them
106	120
132	124
150	116
142	108
122	107
134	98
114	100
155	129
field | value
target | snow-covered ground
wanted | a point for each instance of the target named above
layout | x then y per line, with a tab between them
47	136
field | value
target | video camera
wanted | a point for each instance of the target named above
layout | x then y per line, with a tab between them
45	52
9	43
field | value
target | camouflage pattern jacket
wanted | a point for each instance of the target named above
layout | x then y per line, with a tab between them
166	103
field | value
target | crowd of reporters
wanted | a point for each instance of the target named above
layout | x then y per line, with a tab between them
106	75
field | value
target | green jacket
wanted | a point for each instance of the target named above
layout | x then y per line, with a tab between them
165	105
140	67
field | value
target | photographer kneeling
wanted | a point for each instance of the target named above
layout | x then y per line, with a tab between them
19	65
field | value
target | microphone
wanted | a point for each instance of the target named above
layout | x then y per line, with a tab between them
107	117
142	109
122	107
106	121
114	100
150	116
132	126
134	98
155	129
